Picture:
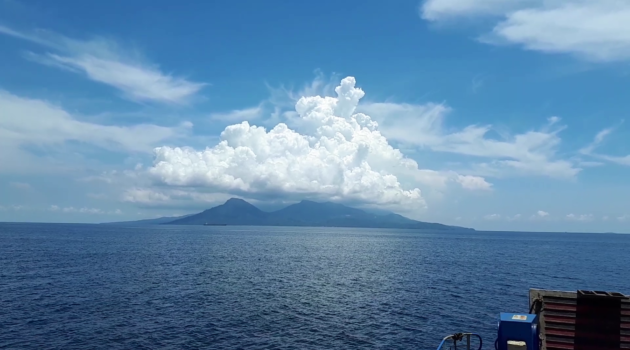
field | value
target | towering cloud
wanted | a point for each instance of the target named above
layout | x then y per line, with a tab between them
337	155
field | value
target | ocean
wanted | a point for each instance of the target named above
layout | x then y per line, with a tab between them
70	286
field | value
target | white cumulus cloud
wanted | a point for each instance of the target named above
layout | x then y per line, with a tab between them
492	217
473	182
540	214
338	155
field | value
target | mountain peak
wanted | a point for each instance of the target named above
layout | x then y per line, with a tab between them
306	201
235	201
236	211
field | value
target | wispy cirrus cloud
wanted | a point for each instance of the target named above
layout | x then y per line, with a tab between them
27	124
580	217
32	121
515	217
440	10
14	207
84	210
541	215
531	152
589	150
238	115
594	30
173	197
145	196
106	62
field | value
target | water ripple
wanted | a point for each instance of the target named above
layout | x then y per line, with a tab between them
99	287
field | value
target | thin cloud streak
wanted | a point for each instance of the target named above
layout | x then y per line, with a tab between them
104	61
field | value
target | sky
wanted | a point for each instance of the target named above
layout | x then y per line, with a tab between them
489	114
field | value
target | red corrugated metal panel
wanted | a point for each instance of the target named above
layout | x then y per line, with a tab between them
571	323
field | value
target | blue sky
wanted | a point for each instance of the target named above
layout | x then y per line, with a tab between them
489	114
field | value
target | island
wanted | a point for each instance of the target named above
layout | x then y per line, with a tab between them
237	211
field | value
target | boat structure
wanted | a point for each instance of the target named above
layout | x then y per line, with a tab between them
581	320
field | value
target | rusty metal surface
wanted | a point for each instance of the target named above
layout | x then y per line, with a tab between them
582	321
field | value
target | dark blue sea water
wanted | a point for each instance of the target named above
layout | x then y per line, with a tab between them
100	287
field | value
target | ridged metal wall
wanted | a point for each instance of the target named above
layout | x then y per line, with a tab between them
583	320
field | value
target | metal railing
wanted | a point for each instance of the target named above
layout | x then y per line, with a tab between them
457	337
